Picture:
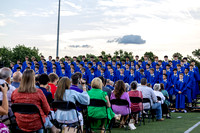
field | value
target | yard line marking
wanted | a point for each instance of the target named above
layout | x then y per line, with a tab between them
193	127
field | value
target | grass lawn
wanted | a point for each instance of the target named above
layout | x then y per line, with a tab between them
174	125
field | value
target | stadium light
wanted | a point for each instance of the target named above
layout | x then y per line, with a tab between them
58	29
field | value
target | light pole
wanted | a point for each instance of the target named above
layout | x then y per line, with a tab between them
58	29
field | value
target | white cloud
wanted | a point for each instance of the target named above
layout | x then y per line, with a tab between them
68	13
39	13
72	5
2	15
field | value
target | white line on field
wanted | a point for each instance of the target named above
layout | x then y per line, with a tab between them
193	127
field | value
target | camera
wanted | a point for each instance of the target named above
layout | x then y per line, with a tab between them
3	85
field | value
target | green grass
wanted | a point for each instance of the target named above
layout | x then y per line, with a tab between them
174	125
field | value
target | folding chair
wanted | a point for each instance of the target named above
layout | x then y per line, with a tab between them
67	106
98	103
148	111
121	102
26	108
136	100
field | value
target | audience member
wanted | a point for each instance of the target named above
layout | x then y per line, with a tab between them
17	77
27	93
147	92
53	82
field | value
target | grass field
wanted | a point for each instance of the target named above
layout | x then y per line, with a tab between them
174	125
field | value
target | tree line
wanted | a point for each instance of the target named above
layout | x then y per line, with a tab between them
8	55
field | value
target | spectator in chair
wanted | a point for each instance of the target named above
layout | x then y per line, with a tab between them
53	82
135	107
64	93
120	93
17	77
104	88
28	93
147	92
46	89
157	92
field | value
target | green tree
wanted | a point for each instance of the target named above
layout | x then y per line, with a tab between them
180	56
196	53
20	51
5	56
150	55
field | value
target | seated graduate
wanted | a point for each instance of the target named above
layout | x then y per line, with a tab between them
28	93
64	93
180	91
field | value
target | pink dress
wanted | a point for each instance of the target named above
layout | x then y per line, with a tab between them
135	107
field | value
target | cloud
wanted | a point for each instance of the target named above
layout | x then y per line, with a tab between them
128	39
80	46
39	13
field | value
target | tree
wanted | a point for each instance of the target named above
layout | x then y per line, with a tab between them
180	56
20	51
5	56
196	53
150	55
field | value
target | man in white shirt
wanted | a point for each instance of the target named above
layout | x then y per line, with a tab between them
147	92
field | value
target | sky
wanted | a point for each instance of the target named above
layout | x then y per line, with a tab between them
91	26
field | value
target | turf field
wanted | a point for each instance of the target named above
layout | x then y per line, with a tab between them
179	123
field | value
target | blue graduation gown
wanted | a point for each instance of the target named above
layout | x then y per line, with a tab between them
158	76
188	81
91	77
174	62
49	66
97	73
140	77
164	63
111	77
144	64
152	79
131	78
154	64
121	77
197	77
166	85
193	80
180	98
126	74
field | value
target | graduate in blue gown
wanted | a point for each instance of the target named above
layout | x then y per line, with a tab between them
127	73
92	76
165	62
152	78
84	74
179	69
187	79
121	76
168	72
141	75
16	65
109	61
132	76
174	79
111	74
72	71
37	70
100	60
136	60
192	75
158	74
155	62
166	83
145	62
24	64
175	61
186	64
197	77
147	71
98	71
180	91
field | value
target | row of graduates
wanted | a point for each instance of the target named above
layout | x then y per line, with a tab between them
114	70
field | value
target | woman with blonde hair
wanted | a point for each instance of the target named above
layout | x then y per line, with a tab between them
28	93
97	93
64	93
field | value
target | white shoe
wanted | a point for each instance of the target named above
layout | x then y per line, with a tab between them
131	126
